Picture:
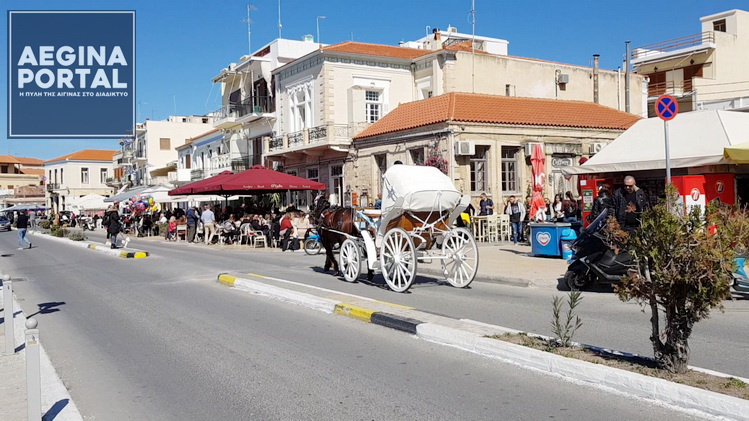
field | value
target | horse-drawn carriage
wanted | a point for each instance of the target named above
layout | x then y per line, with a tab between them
414	225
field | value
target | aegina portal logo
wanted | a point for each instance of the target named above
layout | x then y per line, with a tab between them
71	74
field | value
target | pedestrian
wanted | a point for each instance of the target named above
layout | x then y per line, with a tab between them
630	202
209	224
112	224
569	207
464	219
22	224
549	210
516	210
192	223
486	205
557	210
603	201
32	220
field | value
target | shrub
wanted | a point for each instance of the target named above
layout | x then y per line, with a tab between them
565	330
58	231
45	224
77	236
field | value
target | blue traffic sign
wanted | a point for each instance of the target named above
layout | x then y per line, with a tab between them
666	107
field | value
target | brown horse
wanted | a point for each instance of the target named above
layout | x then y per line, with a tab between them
332	223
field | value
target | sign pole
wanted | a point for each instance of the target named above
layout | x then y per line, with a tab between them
668	156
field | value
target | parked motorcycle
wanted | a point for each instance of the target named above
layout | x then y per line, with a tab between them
740	279
593	261
312	244
87	223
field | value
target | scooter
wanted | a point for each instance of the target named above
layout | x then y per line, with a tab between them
86	223
593	261
312	244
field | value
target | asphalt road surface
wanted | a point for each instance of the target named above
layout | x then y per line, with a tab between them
158	338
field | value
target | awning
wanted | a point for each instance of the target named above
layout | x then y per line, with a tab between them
258	180
126	194
739	154
696	138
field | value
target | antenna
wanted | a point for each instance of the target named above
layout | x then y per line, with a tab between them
279	19
249	31
318	30
473	45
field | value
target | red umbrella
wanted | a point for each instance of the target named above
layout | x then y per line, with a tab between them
257	180
538	164
192	187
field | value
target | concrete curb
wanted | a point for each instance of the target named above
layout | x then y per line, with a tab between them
498	279
125	254
661	391
53	389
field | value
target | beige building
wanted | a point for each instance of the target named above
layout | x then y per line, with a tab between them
19	180
483	142
704	71
77	174
330	95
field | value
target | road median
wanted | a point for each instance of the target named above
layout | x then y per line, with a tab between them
118	252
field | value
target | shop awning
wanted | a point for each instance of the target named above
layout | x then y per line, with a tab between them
696	138
738	154
126	194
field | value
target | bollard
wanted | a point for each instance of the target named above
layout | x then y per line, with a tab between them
33	372
10	342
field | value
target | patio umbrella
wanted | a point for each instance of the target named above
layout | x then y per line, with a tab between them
538	164
188	189
259	180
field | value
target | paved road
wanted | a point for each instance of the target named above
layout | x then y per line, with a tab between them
136	339
608	322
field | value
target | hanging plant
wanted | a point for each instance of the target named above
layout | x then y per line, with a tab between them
438	162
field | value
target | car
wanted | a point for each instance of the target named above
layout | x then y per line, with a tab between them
4	223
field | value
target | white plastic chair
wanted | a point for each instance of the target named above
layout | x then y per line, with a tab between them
492	228
257	238
505	230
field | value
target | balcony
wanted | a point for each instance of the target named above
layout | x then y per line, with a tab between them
196	175
313	141
52	187
115	182
256	108
226	116
219	163
676	47
675	88
240	164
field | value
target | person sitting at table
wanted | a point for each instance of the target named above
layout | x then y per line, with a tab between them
229	230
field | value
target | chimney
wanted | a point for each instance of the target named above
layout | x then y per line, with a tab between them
437	35
595	77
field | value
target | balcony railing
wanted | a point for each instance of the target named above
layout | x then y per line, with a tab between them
693	40
255	105
220	162
296	139
338	134
197	175
275	144
670	88
240	164
52	187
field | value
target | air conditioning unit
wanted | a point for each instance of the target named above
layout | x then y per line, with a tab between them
596	147
529	148
465	147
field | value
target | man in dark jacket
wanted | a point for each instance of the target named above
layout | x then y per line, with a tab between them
22	223
192	223
603	201
629	203
112	223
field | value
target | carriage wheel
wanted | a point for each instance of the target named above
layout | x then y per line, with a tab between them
462	260
349	260
398	259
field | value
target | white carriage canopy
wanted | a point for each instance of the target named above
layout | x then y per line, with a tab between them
423	189
696	138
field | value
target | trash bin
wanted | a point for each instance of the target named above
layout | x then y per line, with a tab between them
567	237
546	238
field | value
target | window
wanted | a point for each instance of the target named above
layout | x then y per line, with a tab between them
84	175
373	104
4	169
103	173
509	169
188	162
479	170
417	156
382	164
719	25
313	174
301	109
165	144
61	180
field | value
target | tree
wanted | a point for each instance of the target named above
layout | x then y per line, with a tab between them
683	269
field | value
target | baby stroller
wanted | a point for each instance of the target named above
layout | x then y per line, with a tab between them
171	232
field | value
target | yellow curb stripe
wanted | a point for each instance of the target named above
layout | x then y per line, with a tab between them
140	254
360	313
227	279
394	305
92	246
258	276
123	254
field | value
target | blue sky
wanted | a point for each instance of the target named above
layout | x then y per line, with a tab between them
182	44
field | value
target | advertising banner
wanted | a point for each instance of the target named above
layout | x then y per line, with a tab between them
71	74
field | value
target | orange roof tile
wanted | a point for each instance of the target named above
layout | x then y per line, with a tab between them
33	171
86	155
9	159
29	161
379	50
493	109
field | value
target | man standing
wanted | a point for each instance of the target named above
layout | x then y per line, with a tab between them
629	203
486	205
209	220
516	210
32	220
22	224
192	223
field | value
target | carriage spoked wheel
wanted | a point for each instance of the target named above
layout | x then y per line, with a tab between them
350	260
462	257
398	259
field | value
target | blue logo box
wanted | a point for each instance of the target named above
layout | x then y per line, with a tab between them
71	74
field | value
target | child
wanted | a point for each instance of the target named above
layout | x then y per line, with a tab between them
172	230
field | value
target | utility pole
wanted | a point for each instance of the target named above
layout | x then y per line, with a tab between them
279	19
319	42
249	30
473	45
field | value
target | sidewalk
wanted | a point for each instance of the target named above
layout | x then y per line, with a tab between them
56	401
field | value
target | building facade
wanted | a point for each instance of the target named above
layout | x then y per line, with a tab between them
77	174
704	71
20	180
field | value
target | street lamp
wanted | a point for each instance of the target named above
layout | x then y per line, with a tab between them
318	29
